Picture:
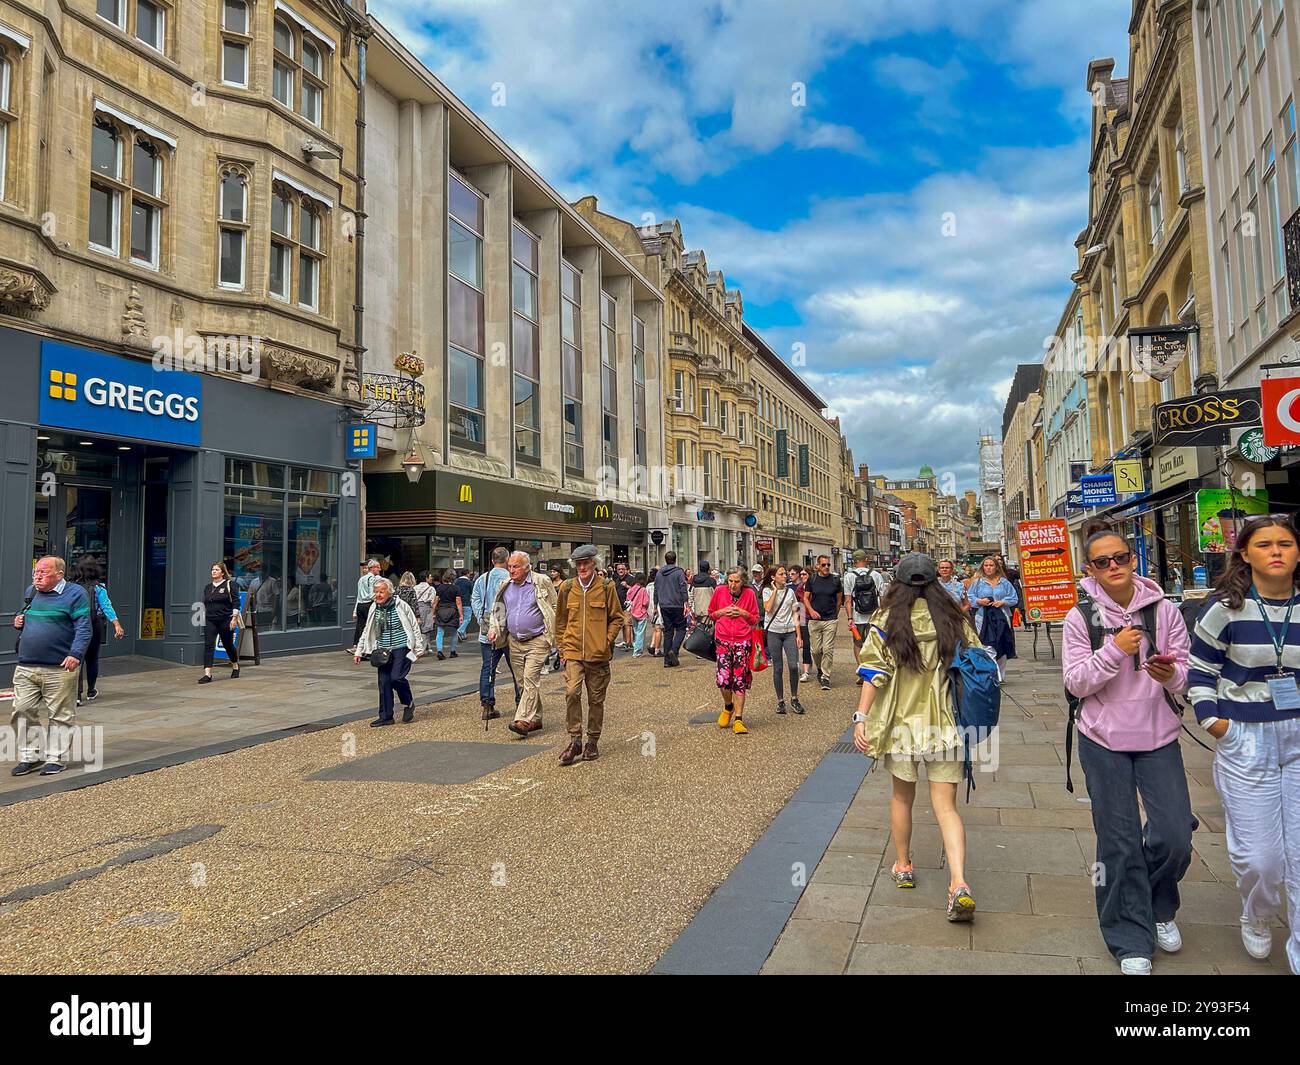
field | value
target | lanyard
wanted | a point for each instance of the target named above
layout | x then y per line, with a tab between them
1279	641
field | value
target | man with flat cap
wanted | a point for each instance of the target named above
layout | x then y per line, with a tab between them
587	620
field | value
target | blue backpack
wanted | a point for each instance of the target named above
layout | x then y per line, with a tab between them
976	699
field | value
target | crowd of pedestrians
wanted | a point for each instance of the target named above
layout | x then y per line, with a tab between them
1132	662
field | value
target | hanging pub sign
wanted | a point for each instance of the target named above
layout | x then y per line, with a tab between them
1159	350
1195	421
393	400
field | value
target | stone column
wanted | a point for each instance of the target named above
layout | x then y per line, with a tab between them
494	181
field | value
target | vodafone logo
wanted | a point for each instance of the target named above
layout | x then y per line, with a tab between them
1280	399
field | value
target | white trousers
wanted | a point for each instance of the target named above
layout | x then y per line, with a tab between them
1257	774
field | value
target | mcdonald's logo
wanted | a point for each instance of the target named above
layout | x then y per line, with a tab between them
466	494
601	512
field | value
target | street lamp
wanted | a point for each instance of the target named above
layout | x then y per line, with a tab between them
413	464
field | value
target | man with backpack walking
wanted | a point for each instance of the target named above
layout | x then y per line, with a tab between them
863	589
671	597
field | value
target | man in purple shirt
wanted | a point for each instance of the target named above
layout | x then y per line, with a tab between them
523	619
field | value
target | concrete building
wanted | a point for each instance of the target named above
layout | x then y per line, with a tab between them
921	490
179	195
1019	463
536	341
1067	433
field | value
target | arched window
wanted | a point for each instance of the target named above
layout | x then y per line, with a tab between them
300	74
8	119
126	192
233	236
297	248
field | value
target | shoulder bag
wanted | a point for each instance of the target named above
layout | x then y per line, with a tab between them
381	656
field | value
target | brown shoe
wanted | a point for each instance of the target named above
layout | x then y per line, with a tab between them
572	753
489	714
535	726
589	752
519	728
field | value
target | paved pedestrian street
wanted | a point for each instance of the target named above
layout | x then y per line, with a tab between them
1030	849
245	863
437	847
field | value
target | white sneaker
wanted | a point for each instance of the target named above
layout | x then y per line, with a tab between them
1257	939
1135	967
1168	937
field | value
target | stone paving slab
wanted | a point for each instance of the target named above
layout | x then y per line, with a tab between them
1029	847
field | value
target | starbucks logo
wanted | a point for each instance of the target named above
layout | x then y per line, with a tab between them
1252	447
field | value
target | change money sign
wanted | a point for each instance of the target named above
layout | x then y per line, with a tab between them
1046	572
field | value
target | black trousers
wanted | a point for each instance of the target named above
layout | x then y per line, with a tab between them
215	629
90	663
363	612
674	623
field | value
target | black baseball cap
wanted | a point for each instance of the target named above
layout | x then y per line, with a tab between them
917	569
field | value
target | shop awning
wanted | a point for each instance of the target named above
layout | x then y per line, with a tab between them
1175	493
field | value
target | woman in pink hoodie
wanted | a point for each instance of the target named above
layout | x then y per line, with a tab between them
1128	746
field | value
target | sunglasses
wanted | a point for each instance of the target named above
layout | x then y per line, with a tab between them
1120	558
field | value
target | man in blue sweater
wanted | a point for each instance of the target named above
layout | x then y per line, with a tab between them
55	627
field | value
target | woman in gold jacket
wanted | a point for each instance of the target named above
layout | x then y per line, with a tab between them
905	714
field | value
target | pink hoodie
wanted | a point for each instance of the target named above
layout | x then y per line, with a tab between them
1121	708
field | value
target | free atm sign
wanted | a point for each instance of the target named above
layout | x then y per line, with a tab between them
114	396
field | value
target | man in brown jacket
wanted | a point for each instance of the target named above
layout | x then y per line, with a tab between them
587	619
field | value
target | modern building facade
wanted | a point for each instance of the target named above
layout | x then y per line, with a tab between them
528	345
180	318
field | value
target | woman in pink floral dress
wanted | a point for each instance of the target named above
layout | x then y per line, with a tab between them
734	610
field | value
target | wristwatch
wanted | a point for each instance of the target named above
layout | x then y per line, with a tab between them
859	717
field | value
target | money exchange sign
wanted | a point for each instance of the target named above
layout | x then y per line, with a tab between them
1046	572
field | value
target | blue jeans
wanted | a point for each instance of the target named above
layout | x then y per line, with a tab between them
638	634
450	631
674	622
392	681
487	677
1138	867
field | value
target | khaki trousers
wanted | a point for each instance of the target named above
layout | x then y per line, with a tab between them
595	675
55	689
527	657
821	634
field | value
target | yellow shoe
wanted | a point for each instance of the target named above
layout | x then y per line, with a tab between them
724	719
738	727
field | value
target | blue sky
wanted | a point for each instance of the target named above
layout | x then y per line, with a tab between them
909	218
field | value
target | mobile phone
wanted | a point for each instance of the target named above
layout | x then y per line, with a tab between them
1162	659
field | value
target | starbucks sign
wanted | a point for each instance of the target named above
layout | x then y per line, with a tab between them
1252	447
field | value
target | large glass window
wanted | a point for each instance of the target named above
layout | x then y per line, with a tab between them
235	42
638	392
299	72
297	247
609	386
528	418
465	402
292	580
571	337
233	230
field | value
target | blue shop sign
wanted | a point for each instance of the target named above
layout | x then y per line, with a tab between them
363	440
1074	499
1098	490
108	394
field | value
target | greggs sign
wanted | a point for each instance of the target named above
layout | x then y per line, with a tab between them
99	393
1201	420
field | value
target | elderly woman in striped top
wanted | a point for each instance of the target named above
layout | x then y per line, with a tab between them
1244	664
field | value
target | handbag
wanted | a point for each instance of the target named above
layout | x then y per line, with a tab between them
701	642
381	656
758	660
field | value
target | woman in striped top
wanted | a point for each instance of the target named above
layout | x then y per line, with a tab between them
1244	664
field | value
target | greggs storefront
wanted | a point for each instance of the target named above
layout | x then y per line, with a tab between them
152	475
451	521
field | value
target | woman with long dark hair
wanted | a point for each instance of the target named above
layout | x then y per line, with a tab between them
448	612
1128	747
1245	661
102	614
905	715
992	590
781	624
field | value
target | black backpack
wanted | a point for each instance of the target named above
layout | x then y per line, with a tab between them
1087	606
866	596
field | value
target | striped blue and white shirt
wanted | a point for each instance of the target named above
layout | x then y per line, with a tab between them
1233	655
